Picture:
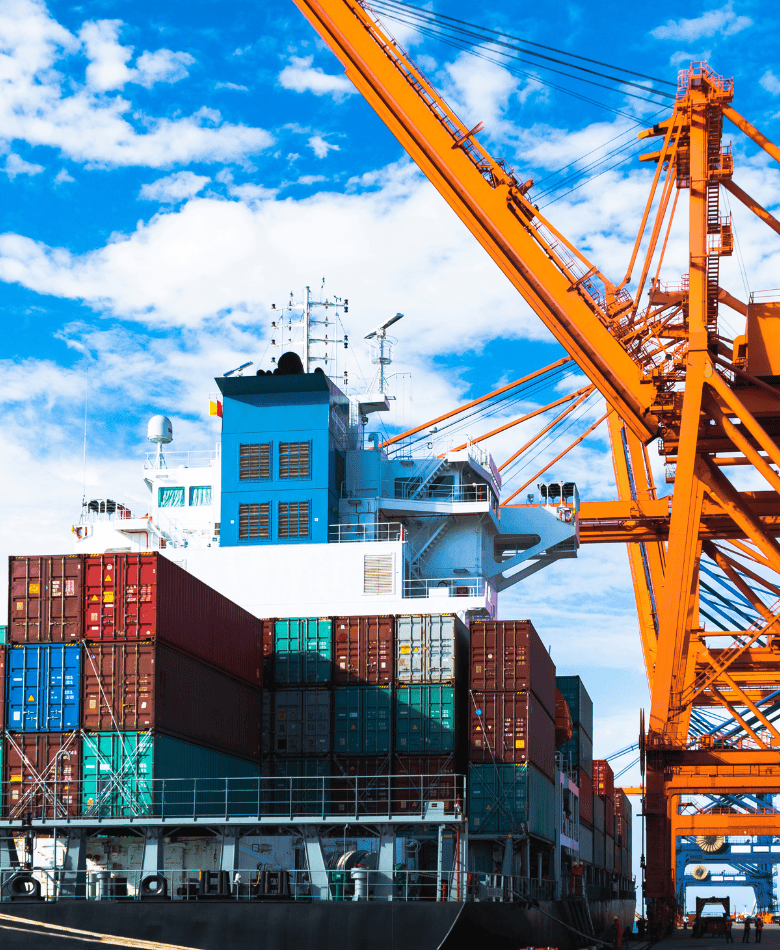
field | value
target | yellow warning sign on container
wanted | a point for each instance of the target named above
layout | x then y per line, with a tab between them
35	588
108	597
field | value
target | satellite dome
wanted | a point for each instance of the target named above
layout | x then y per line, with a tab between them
160	430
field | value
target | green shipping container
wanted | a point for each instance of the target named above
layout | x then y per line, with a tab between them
304	650
362	720
578	751
424	719
579	702
136	774
502	797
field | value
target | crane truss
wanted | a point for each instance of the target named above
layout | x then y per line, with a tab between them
667	373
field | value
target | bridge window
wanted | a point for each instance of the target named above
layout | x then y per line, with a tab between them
170	497
200	495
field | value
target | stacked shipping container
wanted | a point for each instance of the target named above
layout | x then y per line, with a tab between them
359	698
124	649
511	730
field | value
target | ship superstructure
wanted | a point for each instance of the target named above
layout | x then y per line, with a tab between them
301	508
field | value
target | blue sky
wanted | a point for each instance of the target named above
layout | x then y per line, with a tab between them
166	172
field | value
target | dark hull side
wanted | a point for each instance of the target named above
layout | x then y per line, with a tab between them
228	925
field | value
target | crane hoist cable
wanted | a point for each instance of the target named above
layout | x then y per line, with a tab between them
520	394
393	10
466	47
546	442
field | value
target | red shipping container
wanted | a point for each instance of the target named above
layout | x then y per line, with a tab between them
148	597
586	798
361	785
508	728
363	650
609	817
45	599
603	779
509	655
135	687
41	774
423	778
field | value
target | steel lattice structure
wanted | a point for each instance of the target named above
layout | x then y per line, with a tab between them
668	374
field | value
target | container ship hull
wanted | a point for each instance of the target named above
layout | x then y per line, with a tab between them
392	925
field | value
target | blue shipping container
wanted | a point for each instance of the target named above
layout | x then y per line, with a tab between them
43	687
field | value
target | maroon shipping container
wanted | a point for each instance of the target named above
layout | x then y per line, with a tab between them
41	774
363	650
423	778
603	779
45	599
361	783
509	655
586	798
618	861
2	688
139	686
511	728
147	597
609	817
268	640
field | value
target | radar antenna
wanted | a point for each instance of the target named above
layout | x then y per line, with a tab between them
382	348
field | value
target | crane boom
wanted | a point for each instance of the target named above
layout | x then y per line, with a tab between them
667	370
556	281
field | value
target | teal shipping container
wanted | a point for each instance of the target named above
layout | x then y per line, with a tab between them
579	702
303	650
3	632
137	774
424	719
578	751
362	720
502	797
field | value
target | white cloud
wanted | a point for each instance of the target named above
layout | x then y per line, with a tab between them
163	65
176	187
62	177
108	67
15	165
231	85
301	76
40	107
770	82
723	21
320	147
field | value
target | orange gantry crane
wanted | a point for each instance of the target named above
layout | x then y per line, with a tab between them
667	373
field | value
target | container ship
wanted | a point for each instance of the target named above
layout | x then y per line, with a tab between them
279	709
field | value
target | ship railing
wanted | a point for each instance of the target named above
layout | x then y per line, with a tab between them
195	459
358	883
446	493
373	531
135	798
444	587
